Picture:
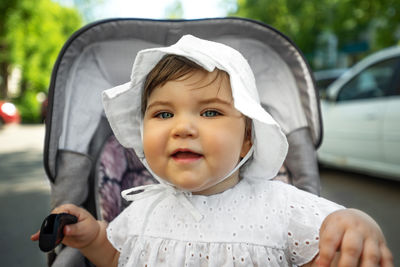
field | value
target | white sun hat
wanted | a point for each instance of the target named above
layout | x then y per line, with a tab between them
122	104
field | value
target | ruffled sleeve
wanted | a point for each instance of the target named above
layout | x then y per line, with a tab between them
124	227
306	212
114	234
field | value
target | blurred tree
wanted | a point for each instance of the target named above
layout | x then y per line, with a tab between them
354	23
32	33
85	7
6	7
174	10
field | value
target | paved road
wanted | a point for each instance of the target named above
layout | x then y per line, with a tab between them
377	197
24	196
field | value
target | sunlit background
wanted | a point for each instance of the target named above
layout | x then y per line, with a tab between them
333	35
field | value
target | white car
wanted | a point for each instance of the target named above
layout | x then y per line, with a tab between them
361	117
324	78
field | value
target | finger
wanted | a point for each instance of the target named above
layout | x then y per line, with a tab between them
73	235
66	208
351	248
387	257
330	239
81	234
81	228
72	230
72	209
371	255
35	236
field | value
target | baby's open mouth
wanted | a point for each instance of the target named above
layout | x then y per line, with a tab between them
186	155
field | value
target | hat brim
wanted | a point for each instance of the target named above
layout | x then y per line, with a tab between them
122	104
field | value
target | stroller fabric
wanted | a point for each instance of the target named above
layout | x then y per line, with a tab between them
79	146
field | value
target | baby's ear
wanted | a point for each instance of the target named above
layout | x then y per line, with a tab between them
247	138
245	148
248	129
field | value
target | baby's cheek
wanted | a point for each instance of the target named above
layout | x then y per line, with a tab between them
225	151
153	149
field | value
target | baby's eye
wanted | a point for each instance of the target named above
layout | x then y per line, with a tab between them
164	115
210	113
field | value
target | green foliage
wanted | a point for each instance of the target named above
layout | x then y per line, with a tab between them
33	34
375	22
29	107
37	38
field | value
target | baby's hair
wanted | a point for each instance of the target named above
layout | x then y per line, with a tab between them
171	68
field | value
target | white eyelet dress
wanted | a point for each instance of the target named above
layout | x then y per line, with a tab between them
263	223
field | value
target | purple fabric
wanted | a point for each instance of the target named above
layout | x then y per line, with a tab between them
120	169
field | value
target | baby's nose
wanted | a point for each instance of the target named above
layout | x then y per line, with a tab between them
185	127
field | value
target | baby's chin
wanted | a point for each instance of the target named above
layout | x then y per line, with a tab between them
192	182
208	189
188	184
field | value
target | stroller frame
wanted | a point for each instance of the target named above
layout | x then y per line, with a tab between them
100	55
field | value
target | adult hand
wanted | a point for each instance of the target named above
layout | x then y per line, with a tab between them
358	238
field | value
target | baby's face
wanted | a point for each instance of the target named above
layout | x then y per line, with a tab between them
192	134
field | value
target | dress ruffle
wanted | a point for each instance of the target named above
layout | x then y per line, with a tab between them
265	223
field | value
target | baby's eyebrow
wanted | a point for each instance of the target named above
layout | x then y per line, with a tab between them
158	103
215	100
202	102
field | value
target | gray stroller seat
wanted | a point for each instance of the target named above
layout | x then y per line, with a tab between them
88	167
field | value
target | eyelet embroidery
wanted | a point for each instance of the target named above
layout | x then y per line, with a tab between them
239	228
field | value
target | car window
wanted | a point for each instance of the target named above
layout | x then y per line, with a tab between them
324	83
374	81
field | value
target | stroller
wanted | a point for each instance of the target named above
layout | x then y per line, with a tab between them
85	163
